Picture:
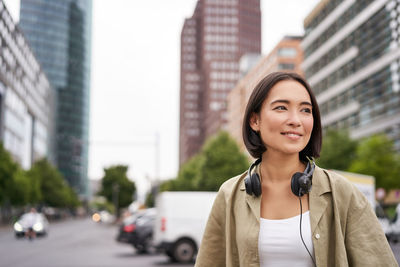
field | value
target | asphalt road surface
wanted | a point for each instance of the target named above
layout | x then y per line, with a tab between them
81	243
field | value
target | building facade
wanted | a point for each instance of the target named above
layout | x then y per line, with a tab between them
212	43
352	58
287	55
26	98
59	33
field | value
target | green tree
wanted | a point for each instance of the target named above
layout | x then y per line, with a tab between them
220	159
14	184
116	187
8	168
376	156
19	188
54	190
338	150
150	201
186	180
189	171
168	185
72	198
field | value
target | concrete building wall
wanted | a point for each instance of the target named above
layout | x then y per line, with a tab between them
287	55
26	98
352	58
223	32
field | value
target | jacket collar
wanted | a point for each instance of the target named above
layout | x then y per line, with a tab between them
317	201
252	201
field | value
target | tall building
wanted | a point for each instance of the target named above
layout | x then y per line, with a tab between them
212	43
287	55
352	58
26	98
59	33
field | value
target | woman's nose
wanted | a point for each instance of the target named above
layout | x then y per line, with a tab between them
294	119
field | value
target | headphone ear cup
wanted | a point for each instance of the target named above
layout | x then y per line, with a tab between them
295	184
255	184
247	183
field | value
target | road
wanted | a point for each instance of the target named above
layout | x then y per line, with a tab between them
80	243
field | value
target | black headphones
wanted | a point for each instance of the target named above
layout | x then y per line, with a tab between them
300	184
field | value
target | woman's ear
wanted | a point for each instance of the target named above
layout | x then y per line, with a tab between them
255	122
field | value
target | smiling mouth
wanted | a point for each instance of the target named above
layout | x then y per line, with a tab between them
291	134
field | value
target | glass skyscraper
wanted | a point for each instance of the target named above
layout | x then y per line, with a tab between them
59	33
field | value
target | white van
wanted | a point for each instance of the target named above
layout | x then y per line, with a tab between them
180	222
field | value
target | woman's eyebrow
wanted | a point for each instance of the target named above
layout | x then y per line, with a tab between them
287	102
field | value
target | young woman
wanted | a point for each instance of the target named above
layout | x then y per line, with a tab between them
285	211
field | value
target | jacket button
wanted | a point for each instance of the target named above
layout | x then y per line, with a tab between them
317	236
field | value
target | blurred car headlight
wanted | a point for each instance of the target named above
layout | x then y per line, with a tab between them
18	227
96	217
38	227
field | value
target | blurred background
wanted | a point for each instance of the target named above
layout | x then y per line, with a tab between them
110	110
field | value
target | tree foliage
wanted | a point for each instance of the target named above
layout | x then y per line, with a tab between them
14	183
219	159
19	188
150	201
116	183
42	184
8	169
54	190
376	156
338	150
187	175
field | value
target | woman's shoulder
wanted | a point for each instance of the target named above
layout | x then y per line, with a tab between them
232	183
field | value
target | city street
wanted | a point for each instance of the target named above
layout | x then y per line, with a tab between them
80	243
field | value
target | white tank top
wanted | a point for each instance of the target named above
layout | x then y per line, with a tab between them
280	245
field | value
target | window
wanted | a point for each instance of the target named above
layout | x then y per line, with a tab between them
287	52
286	66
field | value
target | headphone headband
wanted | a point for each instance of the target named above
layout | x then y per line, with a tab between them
301	182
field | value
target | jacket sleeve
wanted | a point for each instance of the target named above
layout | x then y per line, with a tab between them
366	244
212	250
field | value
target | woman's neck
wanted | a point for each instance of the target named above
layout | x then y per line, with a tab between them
279	168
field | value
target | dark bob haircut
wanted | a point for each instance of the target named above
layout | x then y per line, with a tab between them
252	140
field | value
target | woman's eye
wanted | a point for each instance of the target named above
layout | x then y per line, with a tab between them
307	110
280	108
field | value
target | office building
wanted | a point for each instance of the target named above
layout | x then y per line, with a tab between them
352	58
212	43
59	33
26	98
287	55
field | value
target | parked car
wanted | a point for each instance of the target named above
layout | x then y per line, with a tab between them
31	221
393	234
137	230
383	219
180	223
103	217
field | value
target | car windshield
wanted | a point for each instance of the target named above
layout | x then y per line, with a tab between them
145	220
31	218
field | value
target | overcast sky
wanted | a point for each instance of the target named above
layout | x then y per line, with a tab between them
135	79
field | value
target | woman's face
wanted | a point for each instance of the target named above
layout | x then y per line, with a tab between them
285	121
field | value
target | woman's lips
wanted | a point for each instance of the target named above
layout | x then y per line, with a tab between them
292	135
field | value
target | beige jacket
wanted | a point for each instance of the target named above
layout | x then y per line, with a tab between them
345	230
